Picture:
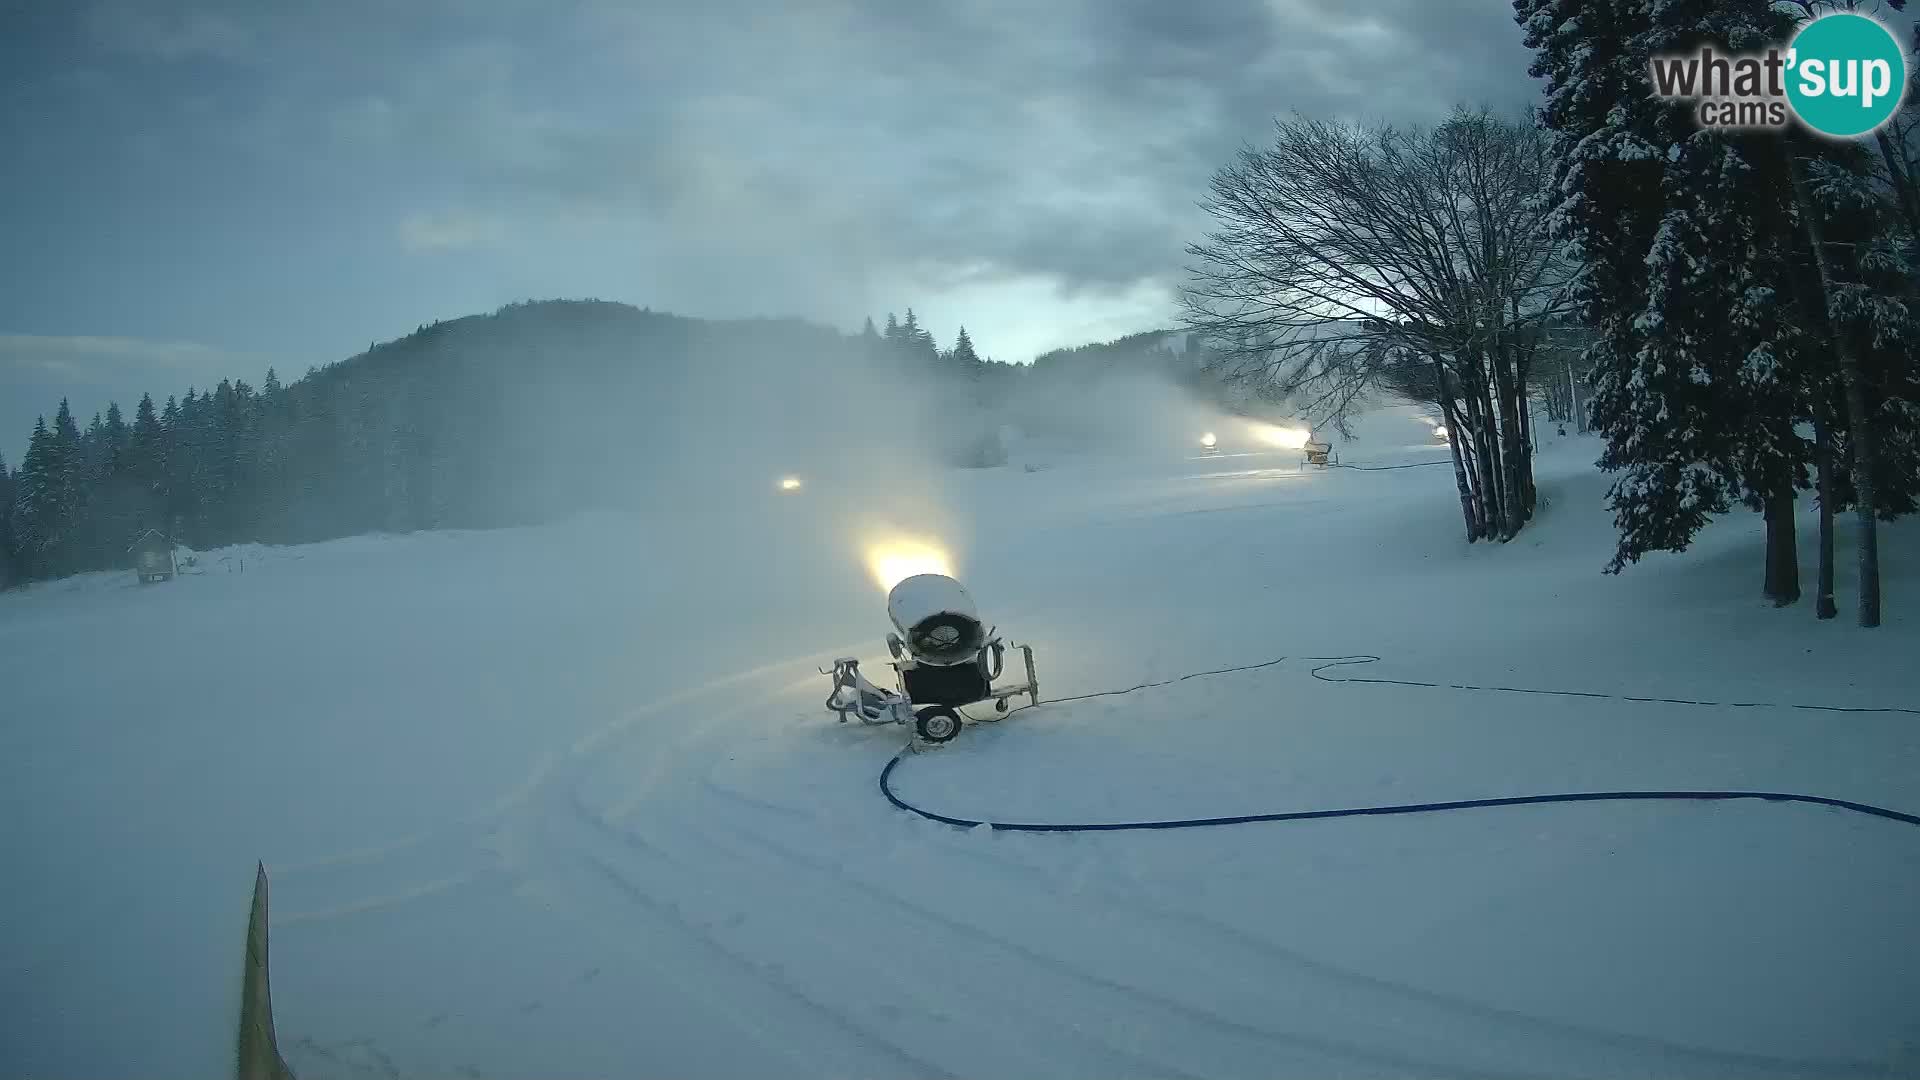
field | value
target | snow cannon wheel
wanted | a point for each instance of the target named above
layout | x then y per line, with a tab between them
937	723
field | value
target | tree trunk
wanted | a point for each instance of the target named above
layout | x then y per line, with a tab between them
1453	447
1573	401
1479	402
1513	458
1465	441
1493	514
1528	449
1823	606
1783	552
1496	449
1859	426
1512	454
1558	412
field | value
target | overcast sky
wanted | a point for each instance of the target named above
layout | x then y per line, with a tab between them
196	189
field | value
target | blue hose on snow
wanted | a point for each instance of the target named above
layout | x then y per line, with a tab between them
886	774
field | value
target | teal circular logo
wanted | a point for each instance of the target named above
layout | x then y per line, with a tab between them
1846	74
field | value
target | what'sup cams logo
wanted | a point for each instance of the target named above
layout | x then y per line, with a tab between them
1843	75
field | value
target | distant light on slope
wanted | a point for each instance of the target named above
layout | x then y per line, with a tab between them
789	483
1286	438
1208	440
896	559
1439	431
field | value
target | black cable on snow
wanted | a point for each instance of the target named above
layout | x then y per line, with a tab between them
1390	468
1347	661
886	774
1169	682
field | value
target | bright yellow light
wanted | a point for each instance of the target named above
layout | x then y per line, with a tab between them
1207	439
789	483
1439	431
895	560
1286	438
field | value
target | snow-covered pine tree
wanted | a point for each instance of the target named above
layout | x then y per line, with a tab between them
173	470
963	356
111	497
273	435
1697	408
93	449
918	348
362	489
8	566
185	471
1607	182
147	453
964	365
965	374
90	524
869	347
1746	199
66	468
115	428
1856	258
244	495
34	503
1898	153
220	461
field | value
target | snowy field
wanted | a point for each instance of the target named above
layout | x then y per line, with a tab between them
563	802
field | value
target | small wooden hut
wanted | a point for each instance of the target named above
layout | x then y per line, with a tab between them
153	557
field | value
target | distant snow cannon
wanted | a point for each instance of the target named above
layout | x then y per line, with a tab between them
1209	444
944	658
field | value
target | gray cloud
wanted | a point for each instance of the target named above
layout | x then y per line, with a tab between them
827	159
962	131
449	231
158	33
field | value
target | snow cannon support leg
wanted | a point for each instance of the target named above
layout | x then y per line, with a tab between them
854	695
1029	689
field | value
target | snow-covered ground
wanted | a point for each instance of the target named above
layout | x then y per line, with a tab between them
563	802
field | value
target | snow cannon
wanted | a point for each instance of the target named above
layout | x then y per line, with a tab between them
944	659
934	620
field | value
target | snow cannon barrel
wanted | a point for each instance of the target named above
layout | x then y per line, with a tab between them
936	620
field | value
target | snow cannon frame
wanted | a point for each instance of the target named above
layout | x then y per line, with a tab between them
944	659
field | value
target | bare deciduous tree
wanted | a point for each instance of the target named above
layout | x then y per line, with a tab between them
1350	259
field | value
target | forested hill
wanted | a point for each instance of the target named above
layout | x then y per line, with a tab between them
534	410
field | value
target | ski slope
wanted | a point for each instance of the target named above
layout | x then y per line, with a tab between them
563	802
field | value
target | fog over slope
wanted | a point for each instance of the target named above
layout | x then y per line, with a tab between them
542	410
